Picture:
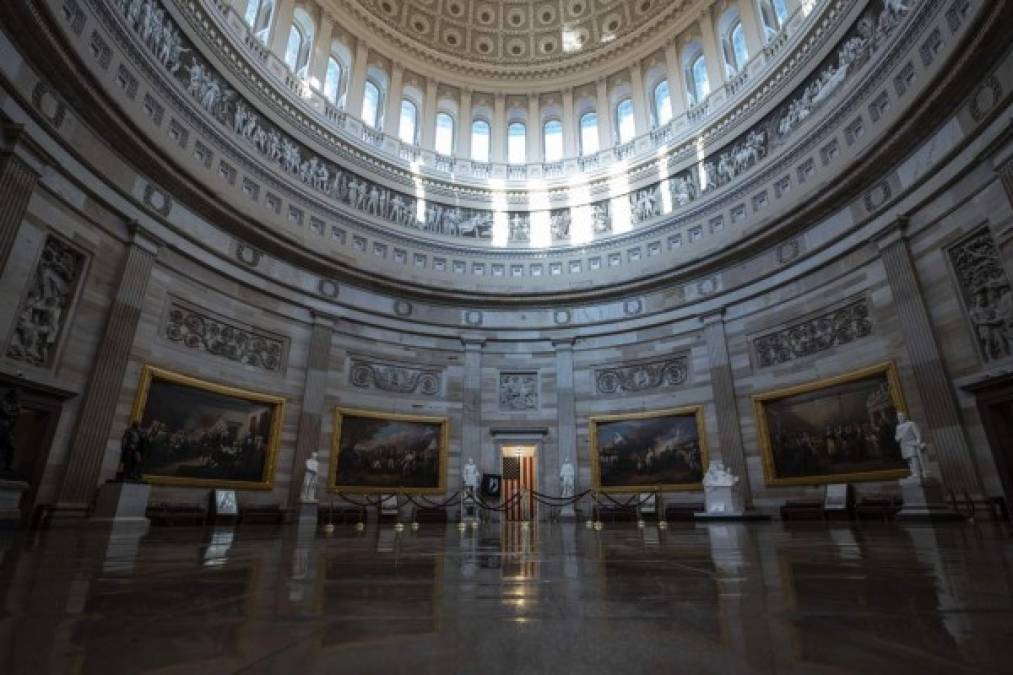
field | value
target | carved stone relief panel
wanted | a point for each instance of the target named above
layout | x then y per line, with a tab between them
201	330
395	378
518	391
985	291
47	303
830	329
643	376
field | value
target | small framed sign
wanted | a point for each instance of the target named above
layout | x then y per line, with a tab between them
225	503
836	498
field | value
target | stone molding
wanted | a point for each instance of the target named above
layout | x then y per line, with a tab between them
642	376
829	329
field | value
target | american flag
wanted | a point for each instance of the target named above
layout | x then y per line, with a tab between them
519	472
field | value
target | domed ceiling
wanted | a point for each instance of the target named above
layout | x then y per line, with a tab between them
507	37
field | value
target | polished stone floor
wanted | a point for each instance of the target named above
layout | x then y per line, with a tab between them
758	598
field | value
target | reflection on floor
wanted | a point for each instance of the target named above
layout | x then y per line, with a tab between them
552	599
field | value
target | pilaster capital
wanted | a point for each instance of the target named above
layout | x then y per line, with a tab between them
564	343
472	343
713	317
143	239
327	320
892	233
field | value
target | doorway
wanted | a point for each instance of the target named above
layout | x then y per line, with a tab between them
520	475
995	405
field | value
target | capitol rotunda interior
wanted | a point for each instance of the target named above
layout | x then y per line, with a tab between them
520	336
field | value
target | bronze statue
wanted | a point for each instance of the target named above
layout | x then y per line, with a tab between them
10	408
131	453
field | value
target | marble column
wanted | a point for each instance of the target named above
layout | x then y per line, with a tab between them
753	27
534	126
427	120
641	117
730	447
307	440
321	52
91	437
604	109
711	50
471	409
676	85
1005	172
939	405
570	125
566	408
497	144
392	118
17	182
357	83
283	14
462	147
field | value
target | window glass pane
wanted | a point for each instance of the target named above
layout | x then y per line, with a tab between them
262	25
700	85
444	134
333	80
480	141
406	130
293	47
370	104
250	17
627	125
662	103
589	134
553	141
782	11
739	45
517	151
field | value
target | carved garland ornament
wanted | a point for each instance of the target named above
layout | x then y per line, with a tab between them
642	376
838	327
394	378
205	333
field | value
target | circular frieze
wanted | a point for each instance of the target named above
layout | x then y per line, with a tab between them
561	317
473	317
328	288
403	308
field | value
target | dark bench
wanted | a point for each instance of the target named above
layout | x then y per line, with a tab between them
878	508
261	515
683	511
802	509
176	514
431	515
341	515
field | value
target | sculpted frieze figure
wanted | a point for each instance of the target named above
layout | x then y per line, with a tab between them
645	204
987	296
601	219
40	317
520	227
838	327
518	391
559	224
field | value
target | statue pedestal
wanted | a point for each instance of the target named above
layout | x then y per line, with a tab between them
11	491
924	500
307	515
724	502
469	509
568	513
122	504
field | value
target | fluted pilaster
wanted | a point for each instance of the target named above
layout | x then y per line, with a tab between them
17	182
311	413
471	408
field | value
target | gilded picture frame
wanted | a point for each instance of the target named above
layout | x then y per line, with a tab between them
892	466
600	425
265	441
379	467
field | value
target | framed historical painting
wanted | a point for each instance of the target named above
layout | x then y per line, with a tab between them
198	433
384	453
665	451
835	430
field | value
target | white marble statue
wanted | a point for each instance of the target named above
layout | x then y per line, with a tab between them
309	479
909	436
470	475
721	490
567	475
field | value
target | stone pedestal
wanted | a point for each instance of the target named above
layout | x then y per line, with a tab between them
122	504
307	520
11	491
469	509
568	513
924	500
725	502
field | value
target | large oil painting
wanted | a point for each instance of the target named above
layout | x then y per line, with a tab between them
664	450
380	452
203	434
832	431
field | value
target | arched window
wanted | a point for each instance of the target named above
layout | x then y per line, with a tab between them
480	141
332	81
371	104
625	121
699	87
662	104
588	133
517	142
734	44
293	47
552	138
409	122
773	13
444	133
258	17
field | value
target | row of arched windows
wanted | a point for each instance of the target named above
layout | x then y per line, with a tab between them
298	48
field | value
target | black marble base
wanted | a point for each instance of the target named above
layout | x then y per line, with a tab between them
731	517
